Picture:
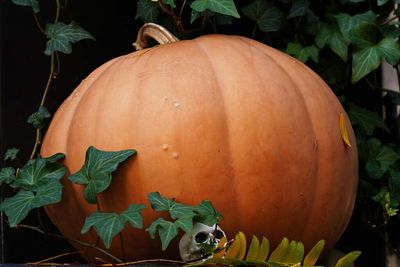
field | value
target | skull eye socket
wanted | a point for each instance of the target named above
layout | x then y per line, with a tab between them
201	237
218	234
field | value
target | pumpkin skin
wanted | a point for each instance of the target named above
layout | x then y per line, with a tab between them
220	118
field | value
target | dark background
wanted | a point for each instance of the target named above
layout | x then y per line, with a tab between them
23	76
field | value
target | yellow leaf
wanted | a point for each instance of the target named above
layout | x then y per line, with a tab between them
243	246
233	250
348	259
220	248
253	249
264	250
280	251
314	254
343	129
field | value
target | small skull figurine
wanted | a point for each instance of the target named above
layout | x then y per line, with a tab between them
191	244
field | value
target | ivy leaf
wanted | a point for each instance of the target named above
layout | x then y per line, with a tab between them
18	207
331	36
364	35
382	2
268	17
133	215
299	8
166	230
61	36
366	119
37	118
147	11
7	175
207	213
365	61
11	154
394	181
390	49
178	210
185	223
107	226
160	203
32	3
386	157
49	193
97	169
303	53
226	7
348	23
38	172
374	169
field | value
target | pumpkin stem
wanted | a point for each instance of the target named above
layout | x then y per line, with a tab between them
153	31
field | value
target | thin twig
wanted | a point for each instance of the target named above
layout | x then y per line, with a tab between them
54	257
39	26
122	246
70	240
57	11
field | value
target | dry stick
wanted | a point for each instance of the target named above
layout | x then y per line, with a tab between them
70	240
53	258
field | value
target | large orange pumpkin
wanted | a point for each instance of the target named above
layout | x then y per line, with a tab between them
220	118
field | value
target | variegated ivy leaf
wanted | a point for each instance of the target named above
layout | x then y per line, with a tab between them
148	11
32	3
226	7
95	174
61	36
268	17
167	231
11	154
110	224
37	118
7	175
18	207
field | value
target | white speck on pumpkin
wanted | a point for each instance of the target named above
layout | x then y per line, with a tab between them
175	155
165	147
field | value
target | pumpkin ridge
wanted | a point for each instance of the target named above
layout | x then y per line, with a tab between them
311	202
207	57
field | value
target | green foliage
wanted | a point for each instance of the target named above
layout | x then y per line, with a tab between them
147	11
108	225
32	3
61	36
37	118
303	53
11	154
226	7
95	174
184	217
268	17
287	253
38	185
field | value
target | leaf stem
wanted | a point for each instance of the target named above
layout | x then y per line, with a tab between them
57	11
39	26
253	33
70	240
122	246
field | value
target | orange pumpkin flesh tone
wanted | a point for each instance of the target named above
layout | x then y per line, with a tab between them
220	118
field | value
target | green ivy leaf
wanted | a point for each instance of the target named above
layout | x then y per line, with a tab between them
11	154
394	180
387	157
226	7
18	207
374	169
171	3
38	172
97	169
365	61
382	2
364	35
348	23
366	119
148	11
299	8
7	175
166	230
268	17
61	36
48	193
37	118
207	213
32	3
303	53
178	210
390	49
160	203
332	36
107	226
133	215
185	223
